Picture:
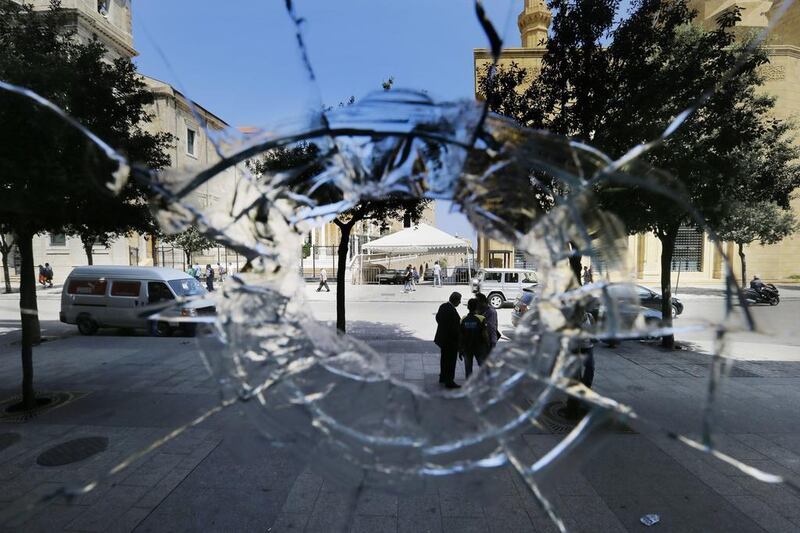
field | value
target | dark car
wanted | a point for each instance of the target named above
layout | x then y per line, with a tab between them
652	300
391	277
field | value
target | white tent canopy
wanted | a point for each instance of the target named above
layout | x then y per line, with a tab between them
421	238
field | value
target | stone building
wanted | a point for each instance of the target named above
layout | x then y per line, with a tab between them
111	22
696	259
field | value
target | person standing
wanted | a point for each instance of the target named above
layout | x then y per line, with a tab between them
209	278
222	272
473	338
197	271
447	339
408	279
323	280
437	274
414	278
490	313
48	274
587	275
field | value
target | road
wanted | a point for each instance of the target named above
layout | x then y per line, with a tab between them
777	325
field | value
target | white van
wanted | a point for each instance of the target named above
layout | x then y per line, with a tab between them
116	296
503	284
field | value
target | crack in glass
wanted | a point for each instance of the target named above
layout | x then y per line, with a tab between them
298	380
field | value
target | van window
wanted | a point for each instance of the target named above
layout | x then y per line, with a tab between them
157	291
492	276
192	287
512	277
528	277
93	287
125	288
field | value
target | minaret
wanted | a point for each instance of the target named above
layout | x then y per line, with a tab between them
533	23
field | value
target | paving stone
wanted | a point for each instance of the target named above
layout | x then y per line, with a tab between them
377	503
289	522
464	524
374	524
419	514
102	515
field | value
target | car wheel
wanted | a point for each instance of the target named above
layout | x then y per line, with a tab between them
87	326
674	311
163	329
496	300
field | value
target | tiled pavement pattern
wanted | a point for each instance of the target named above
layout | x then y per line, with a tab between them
223	476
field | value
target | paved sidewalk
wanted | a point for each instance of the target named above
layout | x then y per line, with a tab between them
223	476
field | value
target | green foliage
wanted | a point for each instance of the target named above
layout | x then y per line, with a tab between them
762	221
191	242
53	178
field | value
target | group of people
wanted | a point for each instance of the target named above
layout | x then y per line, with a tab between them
46	275
410	279
209	273
470	339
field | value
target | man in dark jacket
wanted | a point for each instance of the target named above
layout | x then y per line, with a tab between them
447	331
474	337
490	314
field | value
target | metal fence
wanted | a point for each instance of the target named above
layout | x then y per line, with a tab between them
315	258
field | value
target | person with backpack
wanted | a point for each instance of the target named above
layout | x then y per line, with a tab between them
42	276
48	274
474	337
209	278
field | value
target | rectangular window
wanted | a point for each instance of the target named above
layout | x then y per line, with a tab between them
90	287
125	288
58	239
492	276
688	255
512	277
191	139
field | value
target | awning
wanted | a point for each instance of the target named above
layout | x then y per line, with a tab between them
421	238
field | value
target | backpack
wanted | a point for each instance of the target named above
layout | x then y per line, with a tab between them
474	336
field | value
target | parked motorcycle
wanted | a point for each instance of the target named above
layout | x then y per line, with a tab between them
767	295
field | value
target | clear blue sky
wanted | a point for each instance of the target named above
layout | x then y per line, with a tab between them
239	58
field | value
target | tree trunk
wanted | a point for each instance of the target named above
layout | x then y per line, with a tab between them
344	245
6	273
29	316
575	264
154	249
188	258
87	247
740	246
667	251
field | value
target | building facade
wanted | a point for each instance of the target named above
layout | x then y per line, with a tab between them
696	259
111	22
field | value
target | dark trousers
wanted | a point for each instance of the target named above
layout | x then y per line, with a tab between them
447	365
469	356
209	284
585	376
323	283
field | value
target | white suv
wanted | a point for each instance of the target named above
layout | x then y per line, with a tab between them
503	284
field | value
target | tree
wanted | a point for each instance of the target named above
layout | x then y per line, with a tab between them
51	175
6	245
396	207
191	241
619	85
747	222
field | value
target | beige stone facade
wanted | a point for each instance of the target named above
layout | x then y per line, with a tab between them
111	22
703	262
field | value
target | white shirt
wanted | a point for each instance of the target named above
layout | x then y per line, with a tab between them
437	270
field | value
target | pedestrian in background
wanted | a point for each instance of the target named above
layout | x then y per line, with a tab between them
323	280
587	275
42	276
437	274
48	274
221	270
209	278
473	337
448	325
491	320
408	279
415	278
197	271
